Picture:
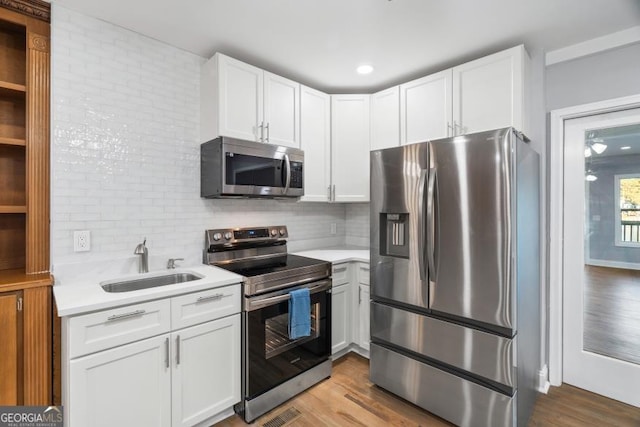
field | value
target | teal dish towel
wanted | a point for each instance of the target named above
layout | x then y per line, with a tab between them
299	313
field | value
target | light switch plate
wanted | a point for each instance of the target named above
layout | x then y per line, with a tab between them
81	241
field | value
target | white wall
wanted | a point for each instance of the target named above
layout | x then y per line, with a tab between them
611	74
125	152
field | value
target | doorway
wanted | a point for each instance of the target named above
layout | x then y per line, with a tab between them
601	254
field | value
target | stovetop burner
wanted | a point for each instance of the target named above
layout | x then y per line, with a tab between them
279	264
260	255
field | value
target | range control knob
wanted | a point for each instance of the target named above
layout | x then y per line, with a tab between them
217	236
274	232
282	231
227	235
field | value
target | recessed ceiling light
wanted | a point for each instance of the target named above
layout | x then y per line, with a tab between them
626	147
364	69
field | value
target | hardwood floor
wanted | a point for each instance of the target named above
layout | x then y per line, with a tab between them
612	312
348	398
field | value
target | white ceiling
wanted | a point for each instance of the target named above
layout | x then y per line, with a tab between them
321	42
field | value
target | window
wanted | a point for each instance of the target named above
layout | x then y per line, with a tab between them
627	210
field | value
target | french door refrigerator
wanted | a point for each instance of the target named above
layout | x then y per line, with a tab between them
455	311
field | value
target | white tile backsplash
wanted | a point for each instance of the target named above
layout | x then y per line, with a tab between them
357	224
125	152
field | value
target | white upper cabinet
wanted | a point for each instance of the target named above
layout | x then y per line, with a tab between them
281	111
315	140
425	108
489	93
385	118
241	101
350	134
484	94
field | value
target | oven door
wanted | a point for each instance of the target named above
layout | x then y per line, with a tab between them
270	357
263	170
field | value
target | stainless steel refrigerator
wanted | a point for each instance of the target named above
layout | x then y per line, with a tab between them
455	306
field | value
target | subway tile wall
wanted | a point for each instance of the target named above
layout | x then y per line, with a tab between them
125	152
357	224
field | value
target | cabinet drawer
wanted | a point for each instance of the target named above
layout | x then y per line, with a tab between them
109	328
363	273
199	307
340	274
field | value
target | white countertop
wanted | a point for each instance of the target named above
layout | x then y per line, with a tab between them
75	295
337	254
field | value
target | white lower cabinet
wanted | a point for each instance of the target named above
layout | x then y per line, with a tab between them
206	370
350	303
186	374
129	385
340	318
364	335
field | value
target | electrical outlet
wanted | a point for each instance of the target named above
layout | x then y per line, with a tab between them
81	241
334	228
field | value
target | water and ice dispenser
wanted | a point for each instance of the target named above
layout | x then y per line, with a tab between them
394	240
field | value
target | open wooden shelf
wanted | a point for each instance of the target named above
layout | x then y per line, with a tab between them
12	141
11	89
8	209
18	279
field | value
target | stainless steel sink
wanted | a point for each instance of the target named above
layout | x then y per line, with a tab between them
149	282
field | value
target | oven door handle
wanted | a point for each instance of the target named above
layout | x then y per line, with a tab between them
255	304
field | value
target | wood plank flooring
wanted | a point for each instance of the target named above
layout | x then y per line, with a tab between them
612	312
348	398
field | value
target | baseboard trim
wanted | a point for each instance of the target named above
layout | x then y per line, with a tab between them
227	413
543	380
352	348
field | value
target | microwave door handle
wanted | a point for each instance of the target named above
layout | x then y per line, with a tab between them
287	165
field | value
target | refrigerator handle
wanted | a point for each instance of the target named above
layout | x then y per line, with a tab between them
431	223
421	224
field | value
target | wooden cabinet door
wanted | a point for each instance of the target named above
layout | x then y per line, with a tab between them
340	317
281	111
385	118
11	354
315	140
206	370
425	108
488	92
129	385
240	104
350	132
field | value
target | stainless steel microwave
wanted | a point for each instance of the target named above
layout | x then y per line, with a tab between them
235	168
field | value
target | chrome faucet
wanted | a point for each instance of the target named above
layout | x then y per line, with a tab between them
141	249
171	264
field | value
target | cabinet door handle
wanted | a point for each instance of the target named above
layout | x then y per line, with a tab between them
210	297
125	315
261	131
334	192
329	193
20	304
359	295
268	132
166	352
177	350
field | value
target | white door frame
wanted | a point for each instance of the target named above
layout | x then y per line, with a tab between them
556	229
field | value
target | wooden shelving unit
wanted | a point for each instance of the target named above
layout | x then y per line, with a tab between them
25	282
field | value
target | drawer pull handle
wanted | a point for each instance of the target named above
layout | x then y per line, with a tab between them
125	315
339	269
214	297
